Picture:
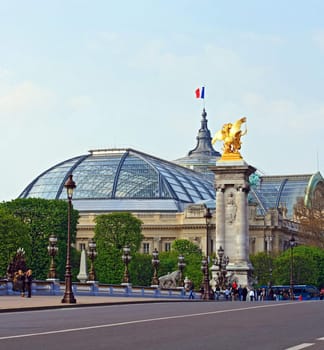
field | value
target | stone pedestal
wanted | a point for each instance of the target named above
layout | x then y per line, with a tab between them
232	225
83	273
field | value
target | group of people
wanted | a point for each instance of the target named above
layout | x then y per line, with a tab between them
22	282
232	292
235	292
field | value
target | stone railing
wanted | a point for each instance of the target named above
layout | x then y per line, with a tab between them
55	287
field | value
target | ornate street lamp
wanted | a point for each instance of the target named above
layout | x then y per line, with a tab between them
207	290
270	277
222	263
68	297
92	253
126	259
52	251
292	244
181	266
208	217
155	264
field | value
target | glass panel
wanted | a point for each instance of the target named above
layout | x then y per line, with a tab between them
95	176
48	185
138	179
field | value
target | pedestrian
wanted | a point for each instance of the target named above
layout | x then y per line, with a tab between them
251	295
217	292
227	293
202	291
240	292
271	295
244	293
28	281
263	294
21	282
191	290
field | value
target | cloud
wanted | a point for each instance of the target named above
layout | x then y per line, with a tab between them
265	38
103	40
4	73
78	103
284	114
26	97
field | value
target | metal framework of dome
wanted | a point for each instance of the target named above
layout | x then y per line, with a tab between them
283	191
122	179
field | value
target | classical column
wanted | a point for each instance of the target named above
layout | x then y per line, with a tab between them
220	214
243	225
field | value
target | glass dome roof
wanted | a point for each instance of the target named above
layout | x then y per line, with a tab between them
129	180
282	191
107	178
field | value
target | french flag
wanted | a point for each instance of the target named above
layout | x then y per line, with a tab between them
200	93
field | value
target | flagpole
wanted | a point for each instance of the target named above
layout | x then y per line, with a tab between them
200	93
204	104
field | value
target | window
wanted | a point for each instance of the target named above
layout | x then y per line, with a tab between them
167	246
82	246
146	248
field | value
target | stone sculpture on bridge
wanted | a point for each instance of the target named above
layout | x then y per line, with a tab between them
171	280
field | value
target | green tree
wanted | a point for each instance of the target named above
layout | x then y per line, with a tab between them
42	218
112	233
118	230
168	262
185	247
192	255
141	269
13	235
308	266
108	264
263	268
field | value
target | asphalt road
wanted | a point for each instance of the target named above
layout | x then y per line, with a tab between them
176	325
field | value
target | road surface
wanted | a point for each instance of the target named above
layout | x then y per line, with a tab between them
165	326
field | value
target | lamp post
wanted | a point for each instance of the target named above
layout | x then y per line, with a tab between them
270	277
208	217
204	268
181	266
204	264
68	297
292	244
222	263
155	264
52	251
92	253
126	257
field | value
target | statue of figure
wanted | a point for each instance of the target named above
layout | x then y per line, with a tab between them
231	135
170	280
230	210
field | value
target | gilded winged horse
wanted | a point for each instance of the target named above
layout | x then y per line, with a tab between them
231	135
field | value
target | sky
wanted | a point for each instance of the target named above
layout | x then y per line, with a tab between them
79	75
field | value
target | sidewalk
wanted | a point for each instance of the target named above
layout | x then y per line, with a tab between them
17	303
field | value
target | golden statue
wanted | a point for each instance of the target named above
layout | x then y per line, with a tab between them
231	135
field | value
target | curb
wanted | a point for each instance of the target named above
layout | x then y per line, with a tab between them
76	305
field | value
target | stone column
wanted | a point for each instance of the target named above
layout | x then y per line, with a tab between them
232	226
220	212
243	226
